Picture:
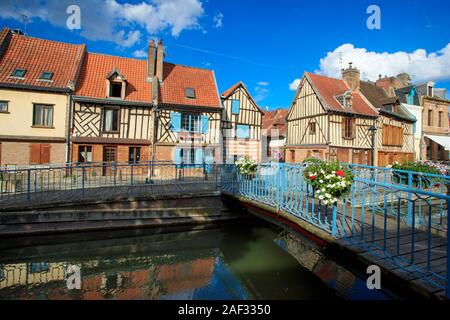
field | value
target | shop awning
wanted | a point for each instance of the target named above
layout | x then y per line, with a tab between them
442	140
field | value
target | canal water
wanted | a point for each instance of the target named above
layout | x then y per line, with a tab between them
249	259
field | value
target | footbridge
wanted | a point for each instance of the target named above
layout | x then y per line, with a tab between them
392	218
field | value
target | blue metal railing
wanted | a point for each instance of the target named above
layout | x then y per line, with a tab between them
393	214
26	181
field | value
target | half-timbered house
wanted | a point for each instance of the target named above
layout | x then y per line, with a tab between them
395	126
241	124
330	119
188	112
112	111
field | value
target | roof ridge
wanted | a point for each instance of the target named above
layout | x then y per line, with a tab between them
186	66
114	56
48	40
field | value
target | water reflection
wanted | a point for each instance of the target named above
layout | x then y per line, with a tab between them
251	260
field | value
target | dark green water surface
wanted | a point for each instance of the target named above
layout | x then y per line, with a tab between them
246	259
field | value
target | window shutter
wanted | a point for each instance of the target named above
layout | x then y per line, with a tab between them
235	106
45	153
198	155
175	119
205	124
35	153
353	128
177	159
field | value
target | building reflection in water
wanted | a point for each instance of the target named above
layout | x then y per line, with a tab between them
200	278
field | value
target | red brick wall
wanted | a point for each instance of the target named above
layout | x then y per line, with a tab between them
18	153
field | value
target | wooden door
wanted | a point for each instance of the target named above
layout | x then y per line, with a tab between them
358	156
342	155
109	156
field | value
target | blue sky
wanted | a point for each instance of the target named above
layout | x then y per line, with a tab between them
267	46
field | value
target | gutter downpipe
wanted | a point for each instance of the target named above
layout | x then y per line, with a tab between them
69	125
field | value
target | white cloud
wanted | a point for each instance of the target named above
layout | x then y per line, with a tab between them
294	84
419	64
261	93
263	84
122	23
218	20
140	54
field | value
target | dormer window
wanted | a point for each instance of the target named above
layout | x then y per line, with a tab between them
430	91
346	100
115	89
46	76
189	93
116	85
19	73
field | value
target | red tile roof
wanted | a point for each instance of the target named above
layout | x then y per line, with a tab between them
38	55
177	78
231	89
96	67
275	120
329	88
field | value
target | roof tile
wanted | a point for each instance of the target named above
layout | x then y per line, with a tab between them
96	68
329	88
177	78
38	55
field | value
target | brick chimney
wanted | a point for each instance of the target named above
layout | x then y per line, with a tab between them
351	76
160	60
151	60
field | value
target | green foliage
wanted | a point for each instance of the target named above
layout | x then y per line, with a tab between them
312	161
416	167
246	166
330	180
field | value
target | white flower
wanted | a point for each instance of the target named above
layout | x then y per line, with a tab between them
321	197
321	181
328	195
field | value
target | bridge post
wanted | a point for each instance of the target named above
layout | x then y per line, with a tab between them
205	174
29	184
216	174
334	222
279	187
83	173
410	181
